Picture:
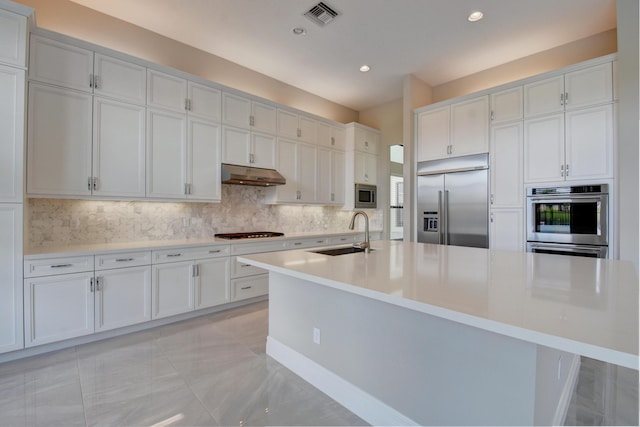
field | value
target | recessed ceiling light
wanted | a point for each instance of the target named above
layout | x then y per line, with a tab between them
475	16
365	68
299	31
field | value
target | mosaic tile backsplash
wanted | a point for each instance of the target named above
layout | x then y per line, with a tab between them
57	221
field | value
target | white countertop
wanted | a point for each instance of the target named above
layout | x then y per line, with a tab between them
580	305
101	248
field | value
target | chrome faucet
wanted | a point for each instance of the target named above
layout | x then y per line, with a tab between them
362	245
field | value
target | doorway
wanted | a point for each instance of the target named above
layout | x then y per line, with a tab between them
396	192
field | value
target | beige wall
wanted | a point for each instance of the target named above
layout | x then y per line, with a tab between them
388	119
561	56
77	21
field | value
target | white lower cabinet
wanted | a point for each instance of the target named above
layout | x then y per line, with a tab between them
11	330
189	279
58	307
249	287
122	297
507	229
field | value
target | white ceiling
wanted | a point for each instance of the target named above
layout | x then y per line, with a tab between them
430	39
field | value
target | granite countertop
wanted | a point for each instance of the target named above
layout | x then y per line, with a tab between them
580	305
102	248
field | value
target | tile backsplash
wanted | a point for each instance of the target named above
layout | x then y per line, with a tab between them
61	221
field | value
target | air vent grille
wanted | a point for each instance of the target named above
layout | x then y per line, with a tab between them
321	14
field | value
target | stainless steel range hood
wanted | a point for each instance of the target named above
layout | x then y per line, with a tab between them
245	175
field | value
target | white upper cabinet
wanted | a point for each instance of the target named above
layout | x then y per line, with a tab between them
365	168
203	157
433	134
246	148
166	91
13	36
248	114
119	79
338	168
470	127
366	140
544	148
59	141
577	89
166	155
297	163
12	90
506	105
204	102
61	64
506	166
296	127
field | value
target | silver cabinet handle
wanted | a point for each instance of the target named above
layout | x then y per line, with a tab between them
95	183
297	243
333	141
245	288
561	170
96	81
90	80
492	199
562	99
492	115
252	121
245	265
366	144
124	259
299	133
98	284
566	98
89	182
215	252
566	170
173	255
91	284
491	216
319	241
61	266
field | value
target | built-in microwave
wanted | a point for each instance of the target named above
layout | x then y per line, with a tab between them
365	196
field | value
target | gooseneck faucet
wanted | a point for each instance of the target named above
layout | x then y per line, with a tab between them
362	245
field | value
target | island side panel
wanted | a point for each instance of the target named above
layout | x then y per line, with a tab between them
432	370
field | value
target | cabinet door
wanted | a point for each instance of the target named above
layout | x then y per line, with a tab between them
58	307
166	155
13	33
324	134
212	283
172	289
59	141
60	64
204	160
433	134
264	118
470	127
544	149
589	143
366	141
325	175
11	332
118	148
544	97
236	146
507	229
338	177
249	287
263	150
119	79
506	105
236	111
590	86
308	129
306	173
338	138
166	91
506	165
205	102
287	124
123	297
365	168
12	83
288	167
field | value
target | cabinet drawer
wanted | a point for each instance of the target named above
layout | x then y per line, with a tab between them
249	287
185	254
129	259
255	248
308	243
240	269
53	266
336	240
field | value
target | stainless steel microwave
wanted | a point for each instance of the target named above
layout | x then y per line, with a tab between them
366	196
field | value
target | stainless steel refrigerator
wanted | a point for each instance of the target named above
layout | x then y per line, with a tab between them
453	201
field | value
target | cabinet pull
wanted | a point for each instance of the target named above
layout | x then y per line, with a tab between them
566	98
61	265
89	181
252	158
492	116
186	104
91	284
90	80
173	255
252	121
96	81
562	99
95	183
566	170
333	141
366	144
491	216
245	265
245	288
98	284
561	170
124	259
492	199
215	252
319	241
299	132
297	243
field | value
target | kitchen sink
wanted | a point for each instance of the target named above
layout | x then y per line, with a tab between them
340	251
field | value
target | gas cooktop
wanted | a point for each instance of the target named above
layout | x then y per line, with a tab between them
249	235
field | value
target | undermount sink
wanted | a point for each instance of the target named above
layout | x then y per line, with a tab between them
340	251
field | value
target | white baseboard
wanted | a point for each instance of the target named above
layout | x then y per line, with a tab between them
367	407
567	392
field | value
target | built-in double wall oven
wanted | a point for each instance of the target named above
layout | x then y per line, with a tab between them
570	220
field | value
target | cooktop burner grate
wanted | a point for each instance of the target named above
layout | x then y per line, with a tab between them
249	235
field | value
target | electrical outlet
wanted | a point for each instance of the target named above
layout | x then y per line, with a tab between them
316	335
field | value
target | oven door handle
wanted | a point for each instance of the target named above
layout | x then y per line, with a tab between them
565	199
595	250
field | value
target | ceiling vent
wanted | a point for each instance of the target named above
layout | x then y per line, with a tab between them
321	14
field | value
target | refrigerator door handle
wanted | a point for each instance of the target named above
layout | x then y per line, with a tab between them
446	217
440	225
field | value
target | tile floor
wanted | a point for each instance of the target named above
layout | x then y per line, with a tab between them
212	371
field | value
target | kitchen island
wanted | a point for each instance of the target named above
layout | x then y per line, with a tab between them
425	334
